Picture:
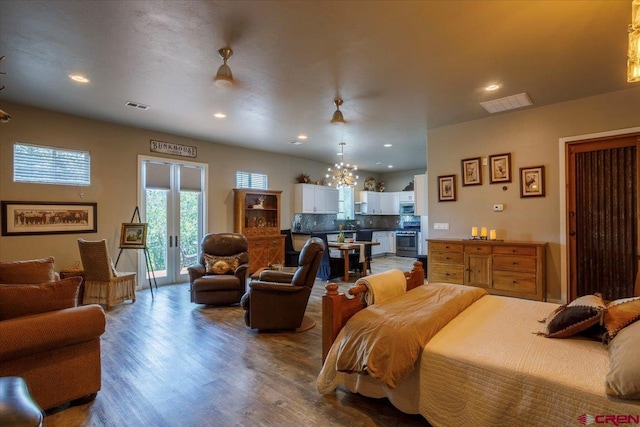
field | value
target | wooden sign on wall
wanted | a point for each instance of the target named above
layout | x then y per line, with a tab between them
174	149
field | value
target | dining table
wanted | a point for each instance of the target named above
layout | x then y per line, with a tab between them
347	247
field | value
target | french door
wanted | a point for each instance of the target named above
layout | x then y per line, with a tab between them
172	203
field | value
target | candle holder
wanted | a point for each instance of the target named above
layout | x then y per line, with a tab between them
483	237
475	238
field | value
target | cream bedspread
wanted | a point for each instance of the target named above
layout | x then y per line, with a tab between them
487	367
385	340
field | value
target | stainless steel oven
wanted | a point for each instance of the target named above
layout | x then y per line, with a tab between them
407	243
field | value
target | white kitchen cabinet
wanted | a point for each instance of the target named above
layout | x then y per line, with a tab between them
420	188
370	203
309	198
406	197
389	204
391	239
378	236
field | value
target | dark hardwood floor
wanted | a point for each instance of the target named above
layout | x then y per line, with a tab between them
169	362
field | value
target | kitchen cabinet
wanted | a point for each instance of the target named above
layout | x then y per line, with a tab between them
257	216
514	269
387	240
406	196
374	203
309	198
389	203
421	195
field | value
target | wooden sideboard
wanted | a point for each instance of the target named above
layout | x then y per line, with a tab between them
514	269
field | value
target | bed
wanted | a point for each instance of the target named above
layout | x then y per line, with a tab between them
489	364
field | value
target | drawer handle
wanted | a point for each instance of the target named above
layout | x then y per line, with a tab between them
478	249
513	251
514	263
515	282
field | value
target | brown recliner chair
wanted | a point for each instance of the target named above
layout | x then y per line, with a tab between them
278	300
221	275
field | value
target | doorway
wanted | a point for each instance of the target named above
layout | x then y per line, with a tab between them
602	216
172	203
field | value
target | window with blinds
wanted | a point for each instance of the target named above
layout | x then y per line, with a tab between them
49	165
255	181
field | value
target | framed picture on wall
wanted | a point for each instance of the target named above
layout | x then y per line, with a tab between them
471	172
133	235
447	188
532	181
500	168
33	218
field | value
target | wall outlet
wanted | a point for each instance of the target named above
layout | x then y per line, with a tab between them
498	208
440	225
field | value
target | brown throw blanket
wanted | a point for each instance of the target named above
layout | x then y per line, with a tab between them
385	340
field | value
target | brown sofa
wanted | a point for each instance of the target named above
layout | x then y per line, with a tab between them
45	338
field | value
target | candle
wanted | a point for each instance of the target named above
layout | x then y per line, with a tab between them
474	231
492	234
483	232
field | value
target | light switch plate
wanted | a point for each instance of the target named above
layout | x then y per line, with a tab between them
498	207
440	225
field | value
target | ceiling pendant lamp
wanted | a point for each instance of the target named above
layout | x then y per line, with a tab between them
633	61
342	174
224	78
337	115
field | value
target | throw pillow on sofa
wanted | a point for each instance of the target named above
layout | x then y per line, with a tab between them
30	271
22	300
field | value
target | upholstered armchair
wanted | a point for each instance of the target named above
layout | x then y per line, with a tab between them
221	275
278	300
102	283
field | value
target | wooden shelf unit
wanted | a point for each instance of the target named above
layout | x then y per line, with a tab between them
504	268
260	223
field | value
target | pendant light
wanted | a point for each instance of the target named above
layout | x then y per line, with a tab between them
224	77
337	115
342	174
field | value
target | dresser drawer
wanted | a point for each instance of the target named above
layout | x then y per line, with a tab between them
446	257
515	250
446	273
477	249
446	247
515	282
513	263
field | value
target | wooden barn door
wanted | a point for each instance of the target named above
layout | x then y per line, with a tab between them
603	216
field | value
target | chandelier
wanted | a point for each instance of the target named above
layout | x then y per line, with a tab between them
633	62
342	175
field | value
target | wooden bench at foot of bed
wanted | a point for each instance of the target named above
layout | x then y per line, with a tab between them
337	308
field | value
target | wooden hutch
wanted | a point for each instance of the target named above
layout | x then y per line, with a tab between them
257	216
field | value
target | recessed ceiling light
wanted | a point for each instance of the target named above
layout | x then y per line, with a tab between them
492	87
390	166
302	136
78	78
388	145
295	142
378	163
219	115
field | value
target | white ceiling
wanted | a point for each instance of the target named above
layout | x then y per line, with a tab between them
400	66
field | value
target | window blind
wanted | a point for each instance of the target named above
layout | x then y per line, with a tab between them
256	181
49	165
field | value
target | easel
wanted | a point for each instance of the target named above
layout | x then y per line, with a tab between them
136	212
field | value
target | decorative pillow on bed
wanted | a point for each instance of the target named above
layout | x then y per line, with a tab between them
577	316
623	379
221	264
620	313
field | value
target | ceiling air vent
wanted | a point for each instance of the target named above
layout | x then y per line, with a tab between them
137	105
507	103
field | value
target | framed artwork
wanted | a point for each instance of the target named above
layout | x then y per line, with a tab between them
447	188
500	168
532	181
134	235
33	218
471	172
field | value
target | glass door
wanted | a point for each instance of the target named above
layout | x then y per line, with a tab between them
173	205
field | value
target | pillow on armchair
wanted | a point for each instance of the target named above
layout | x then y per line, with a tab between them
31	271
23	300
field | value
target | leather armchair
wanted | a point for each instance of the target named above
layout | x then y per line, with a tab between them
278	300
210	284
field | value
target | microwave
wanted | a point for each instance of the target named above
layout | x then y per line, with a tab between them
406	209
